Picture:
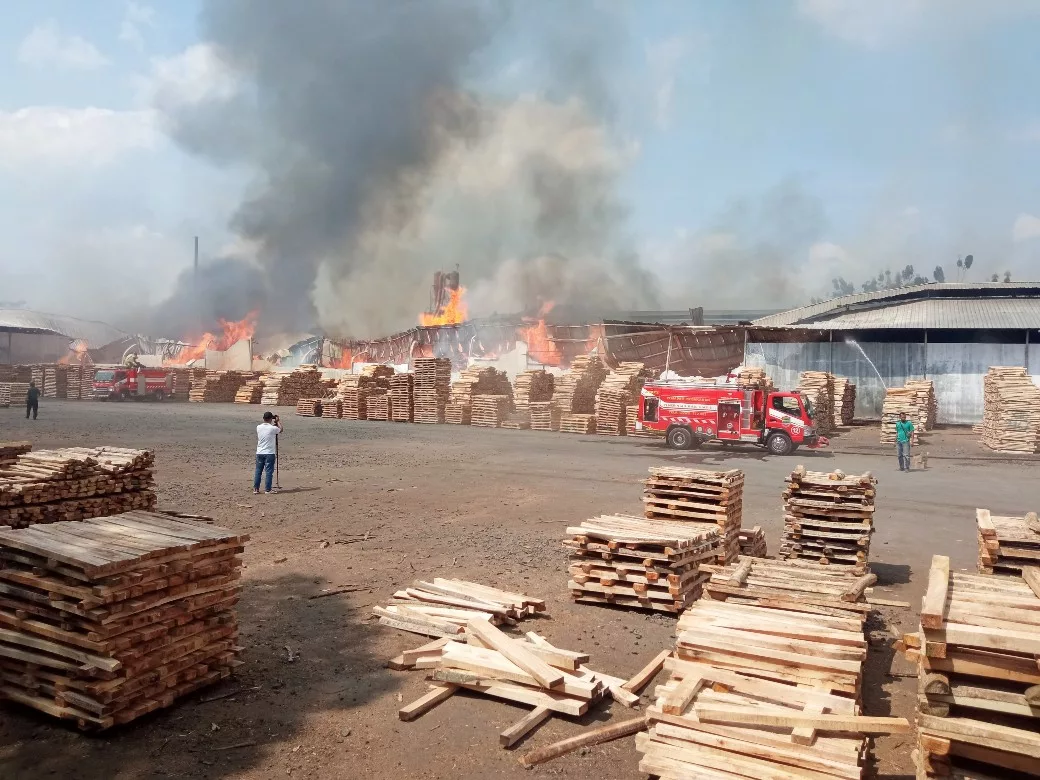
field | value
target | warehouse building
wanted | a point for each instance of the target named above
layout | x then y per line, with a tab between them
950	333
35	337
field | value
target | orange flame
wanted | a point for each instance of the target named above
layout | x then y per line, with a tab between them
231	333
455	312
77	351
539	346
345	360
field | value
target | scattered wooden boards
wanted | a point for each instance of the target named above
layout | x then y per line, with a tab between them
1007	544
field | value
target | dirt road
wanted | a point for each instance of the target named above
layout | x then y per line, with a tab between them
376	505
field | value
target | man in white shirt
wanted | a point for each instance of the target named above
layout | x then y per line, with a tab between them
266	449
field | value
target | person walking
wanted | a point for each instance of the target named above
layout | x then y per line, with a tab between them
32	401
266	450
904	437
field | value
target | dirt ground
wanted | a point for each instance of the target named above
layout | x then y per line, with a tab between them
487	505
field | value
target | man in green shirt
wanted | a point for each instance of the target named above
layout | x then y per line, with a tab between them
904	435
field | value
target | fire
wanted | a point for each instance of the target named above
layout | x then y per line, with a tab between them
345	360
455	312
539	346
77	352
231	333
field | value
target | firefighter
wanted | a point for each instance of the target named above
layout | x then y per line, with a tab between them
32	401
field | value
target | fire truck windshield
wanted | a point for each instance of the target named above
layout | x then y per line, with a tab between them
104	376
808	407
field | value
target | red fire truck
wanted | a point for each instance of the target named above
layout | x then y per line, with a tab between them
120	384
692	413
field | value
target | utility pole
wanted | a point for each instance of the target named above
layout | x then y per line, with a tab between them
195	288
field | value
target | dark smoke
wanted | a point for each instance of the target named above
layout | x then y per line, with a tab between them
226	289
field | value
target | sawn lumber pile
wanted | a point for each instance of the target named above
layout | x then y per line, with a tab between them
754	377
1007	544
443	607
106	620
753	543
10	450
916	399
380	406
979	682
844	402
79	380
309	407
250	393
544	416
575	390
55	381
1011	410
635	562
331	408
219	386
488	411
431	387
48	486
819	387
695	496
183	379
519	420
401	397
354	389
828	518
19	390
532	386
5	395
479	380
615	395
285	389
457	414
577	423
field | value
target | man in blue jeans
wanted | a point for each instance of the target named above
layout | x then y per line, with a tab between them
266	450
904	435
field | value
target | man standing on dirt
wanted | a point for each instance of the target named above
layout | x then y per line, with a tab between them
904	436
266	450
32	401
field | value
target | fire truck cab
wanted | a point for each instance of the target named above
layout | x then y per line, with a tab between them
119	384
692	413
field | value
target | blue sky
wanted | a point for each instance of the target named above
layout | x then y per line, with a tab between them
825	137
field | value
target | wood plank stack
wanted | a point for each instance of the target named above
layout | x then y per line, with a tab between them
795	586
331	408
577	423
401	397
844	402
1011	410
916	399
754	377
753	543
479	380
1007	545
488	411
544	416
353	390
533	386
285	389
219	386
106	620
819	387
925	400
694	496
251	392
828	518
309	407
431	389
5	395
635	562
519	420
183	378
36	375
457	414
19	390
444	606
48	486
575	391
979	681
55	381
379	406
79	380
10	450
611	410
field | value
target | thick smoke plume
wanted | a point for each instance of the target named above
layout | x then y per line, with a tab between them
377	161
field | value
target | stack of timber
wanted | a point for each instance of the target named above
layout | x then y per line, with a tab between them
577	423
331	408
544	416
819	387
309	407
925	400
219	386
48	486
251	392
10	450
519	420
1011	412
616	394
754	377
380	407
183	379
533	386
457	414
753	543
575	390
443	607
1007	545
979	682
634	562
36	375
795	586
285	389
694	496
353	390
19	390
5	395
431	388
828	518
78	380
55	381
631	418
844	402
488	411
479	380
528	670
401	397
106	620
916	400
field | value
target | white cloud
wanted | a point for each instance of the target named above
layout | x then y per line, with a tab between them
1026	227
136	17
47	45
196	75
59	135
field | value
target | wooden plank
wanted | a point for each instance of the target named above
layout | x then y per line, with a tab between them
986	638
679	699
557	702
806	735
640	679
426	702
862	724
1031	576
933	607
524	726
594	737
546	676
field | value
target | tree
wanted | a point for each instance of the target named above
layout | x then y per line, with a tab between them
1007	276
938	274
995	278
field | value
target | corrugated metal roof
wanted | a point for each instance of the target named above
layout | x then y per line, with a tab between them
96	334
990	305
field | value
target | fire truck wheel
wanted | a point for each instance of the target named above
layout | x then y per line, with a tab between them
680	438
780	444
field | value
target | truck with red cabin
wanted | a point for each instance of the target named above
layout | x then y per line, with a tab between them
690	413
122	383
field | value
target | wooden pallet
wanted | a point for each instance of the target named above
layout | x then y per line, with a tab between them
430	389
577	423
488	411
458	414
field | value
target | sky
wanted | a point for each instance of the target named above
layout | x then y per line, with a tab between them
766	146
